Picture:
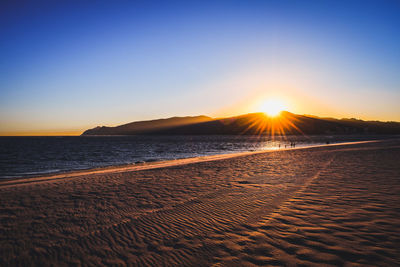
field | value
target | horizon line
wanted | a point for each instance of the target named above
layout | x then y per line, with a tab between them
78	132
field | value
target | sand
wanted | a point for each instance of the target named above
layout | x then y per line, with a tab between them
334	205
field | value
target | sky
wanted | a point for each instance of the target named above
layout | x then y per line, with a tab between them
66	66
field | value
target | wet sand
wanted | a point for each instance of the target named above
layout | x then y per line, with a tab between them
334	205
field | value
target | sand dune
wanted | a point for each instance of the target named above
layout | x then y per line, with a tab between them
335	205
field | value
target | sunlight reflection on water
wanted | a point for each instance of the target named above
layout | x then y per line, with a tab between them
30	156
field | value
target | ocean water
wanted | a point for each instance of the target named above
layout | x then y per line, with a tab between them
35	156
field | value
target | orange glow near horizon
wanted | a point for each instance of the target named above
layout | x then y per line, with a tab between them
42	133
272	107
279	125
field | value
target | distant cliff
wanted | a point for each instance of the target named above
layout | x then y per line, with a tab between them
250	124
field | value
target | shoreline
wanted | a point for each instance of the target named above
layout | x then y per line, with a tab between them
7	182
332	205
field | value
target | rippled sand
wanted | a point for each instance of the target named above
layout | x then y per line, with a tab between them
337	205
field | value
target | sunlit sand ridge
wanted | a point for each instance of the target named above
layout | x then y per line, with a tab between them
326	205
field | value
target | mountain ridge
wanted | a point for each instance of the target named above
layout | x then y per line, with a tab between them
249	124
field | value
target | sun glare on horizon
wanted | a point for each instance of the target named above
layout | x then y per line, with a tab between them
272	107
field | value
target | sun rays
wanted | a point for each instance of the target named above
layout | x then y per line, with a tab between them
272	107
280	125
271	120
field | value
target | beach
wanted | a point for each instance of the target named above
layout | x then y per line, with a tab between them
327	205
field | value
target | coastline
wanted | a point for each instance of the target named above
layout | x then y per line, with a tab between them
155	165
329	205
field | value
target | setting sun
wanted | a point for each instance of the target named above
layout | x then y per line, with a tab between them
272	107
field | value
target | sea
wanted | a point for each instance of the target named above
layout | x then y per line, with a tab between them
35	156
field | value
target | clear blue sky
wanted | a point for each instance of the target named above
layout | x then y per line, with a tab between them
67	66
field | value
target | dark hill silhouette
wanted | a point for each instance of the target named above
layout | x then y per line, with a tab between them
250	124
141	127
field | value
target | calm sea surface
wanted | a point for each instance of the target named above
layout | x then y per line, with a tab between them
33	156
